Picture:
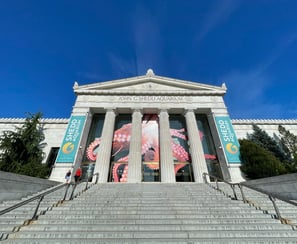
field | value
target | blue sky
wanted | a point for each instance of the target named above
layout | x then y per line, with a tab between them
251	45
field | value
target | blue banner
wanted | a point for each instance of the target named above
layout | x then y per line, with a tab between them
228	139
71	140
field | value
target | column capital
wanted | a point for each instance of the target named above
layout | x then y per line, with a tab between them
134	110
114	110
162	110
189	110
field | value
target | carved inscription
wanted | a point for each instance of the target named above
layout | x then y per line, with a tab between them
152	98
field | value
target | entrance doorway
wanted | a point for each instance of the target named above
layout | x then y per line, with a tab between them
183	172
150	172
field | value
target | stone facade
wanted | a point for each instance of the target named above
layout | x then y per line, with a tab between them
54	130
105	106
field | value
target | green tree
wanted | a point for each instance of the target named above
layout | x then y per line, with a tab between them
261	138
289	143
21	149
257	162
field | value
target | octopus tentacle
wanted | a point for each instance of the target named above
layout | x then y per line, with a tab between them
92	149
114	172
179	152
125	174
124	159
177	167
209	156
175	132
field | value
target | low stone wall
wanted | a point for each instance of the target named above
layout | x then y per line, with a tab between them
283	185
14	186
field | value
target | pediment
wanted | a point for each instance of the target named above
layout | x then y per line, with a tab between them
149	85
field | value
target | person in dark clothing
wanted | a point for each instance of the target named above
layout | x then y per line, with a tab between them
68	176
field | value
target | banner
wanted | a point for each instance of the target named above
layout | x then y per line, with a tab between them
228	138
71	140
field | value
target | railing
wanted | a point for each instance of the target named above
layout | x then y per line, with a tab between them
38	197
271	196
41	196
75	184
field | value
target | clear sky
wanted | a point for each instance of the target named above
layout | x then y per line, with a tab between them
46	45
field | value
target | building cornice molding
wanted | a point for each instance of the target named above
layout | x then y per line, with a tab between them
152	93
264	121
234	121
43	121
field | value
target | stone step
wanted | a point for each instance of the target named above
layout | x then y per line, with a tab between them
156	217
262	221
156	234
132	211
149	208
153	213
152	227
15	216
249	240
183	200
147	204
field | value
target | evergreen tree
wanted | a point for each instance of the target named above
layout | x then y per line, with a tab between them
257	162
21	149
261	138
289	143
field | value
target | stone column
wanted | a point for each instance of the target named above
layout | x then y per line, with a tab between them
197	154
166	157
104	151
134	164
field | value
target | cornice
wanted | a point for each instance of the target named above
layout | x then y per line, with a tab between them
264	121
135	93
44	121
234	121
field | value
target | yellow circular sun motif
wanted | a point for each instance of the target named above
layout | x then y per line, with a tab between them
231	148
68	147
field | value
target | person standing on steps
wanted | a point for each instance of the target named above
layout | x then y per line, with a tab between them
68	176
77	175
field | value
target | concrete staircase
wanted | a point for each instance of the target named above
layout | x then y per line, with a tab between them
14	219
261	201
154	213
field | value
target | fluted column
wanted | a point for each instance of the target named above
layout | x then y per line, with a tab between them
134	164
166	157
104	150
197	154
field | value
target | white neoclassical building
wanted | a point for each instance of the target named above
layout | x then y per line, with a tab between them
148	129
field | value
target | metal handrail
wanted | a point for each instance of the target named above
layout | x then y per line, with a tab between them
42	195
31	199
86	188
232	185
271	196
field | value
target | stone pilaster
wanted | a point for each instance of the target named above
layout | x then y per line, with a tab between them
197	154
166	157
104	151
134	164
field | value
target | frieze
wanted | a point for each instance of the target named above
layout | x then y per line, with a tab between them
153	98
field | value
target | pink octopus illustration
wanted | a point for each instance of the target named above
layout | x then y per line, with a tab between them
149	149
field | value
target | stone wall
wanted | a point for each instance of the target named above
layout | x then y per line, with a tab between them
244	126
14	187
54	130
283	185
